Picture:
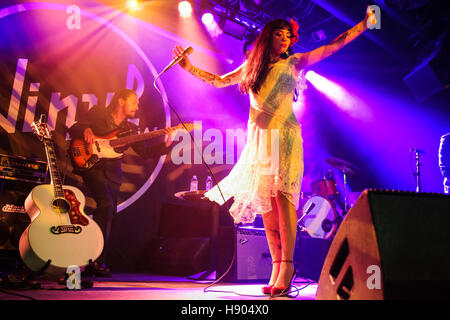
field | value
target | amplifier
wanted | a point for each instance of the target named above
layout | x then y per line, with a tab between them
22	169
13	217
252	256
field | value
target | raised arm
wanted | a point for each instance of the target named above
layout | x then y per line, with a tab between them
225	80
309	58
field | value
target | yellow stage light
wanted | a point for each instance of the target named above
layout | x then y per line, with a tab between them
185	9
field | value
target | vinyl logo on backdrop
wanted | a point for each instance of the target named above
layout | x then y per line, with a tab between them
61	60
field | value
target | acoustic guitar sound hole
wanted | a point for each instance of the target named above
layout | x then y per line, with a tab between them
61	205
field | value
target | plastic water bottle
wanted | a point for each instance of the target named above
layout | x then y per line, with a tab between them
194	183
209	183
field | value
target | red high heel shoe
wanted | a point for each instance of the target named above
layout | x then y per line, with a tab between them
280	292
268	289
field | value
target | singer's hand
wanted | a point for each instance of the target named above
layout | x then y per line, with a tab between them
370	17
184	63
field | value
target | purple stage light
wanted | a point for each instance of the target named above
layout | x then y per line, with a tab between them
207	18
211	24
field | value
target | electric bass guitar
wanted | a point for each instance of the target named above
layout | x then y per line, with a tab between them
60	233
85	156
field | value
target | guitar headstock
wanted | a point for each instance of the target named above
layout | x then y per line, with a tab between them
40	128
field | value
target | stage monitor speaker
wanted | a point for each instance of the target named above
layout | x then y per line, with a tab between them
390	245
252	260
186	237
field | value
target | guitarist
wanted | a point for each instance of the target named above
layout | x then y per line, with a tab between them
104	178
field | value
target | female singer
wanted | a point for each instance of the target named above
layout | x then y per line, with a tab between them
267	177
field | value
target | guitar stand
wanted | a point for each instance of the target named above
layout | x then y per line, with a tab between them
28	280
85	284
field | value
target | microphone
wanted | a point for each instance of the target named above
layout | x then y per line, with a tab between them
186	52
311	206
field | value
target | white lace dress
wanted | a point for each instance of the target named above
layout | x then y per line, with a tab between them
272	158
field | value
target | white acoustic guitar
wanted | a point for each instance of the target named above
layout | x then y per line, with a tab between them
60	233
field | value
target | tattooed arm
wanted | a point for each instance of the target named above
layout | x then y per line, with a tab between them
226	80
309	58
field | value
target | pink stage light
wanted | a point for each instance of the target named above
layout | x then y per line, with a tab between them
185	9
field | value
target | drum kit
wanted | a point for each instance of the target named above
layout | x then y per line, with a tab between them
319	217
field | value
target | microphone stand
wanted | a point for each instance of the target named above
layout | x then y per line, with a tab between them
417	173
344	174
181	121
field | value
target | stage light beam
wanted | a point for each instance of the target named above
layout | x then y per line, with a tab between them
346	101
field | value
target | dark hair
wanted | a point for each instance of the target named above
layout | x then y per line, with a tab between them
121	94
258	60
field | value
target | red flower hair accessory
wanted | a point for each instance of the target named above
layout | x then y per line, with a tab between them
295	27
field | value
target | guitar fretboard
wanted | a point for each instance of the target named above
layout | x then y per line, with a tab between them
144	136
53	168
136	138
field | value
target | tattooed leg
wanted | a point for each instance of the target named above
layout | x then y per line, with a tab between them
288	231
272	227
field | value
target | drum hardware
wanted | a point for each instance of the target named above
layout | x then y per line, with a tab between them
197	195
345	168
319	217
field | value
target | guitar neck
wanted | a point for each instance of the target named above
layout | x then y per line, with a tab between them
137	138
53	168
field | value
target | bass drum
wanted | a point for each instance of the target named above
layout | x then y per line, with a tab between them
319	218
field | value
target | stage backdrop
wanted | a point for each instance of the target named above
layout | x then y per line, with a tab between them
60	58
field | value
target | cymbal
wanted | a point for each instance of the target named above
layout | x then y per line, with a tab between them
342	165
191	195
